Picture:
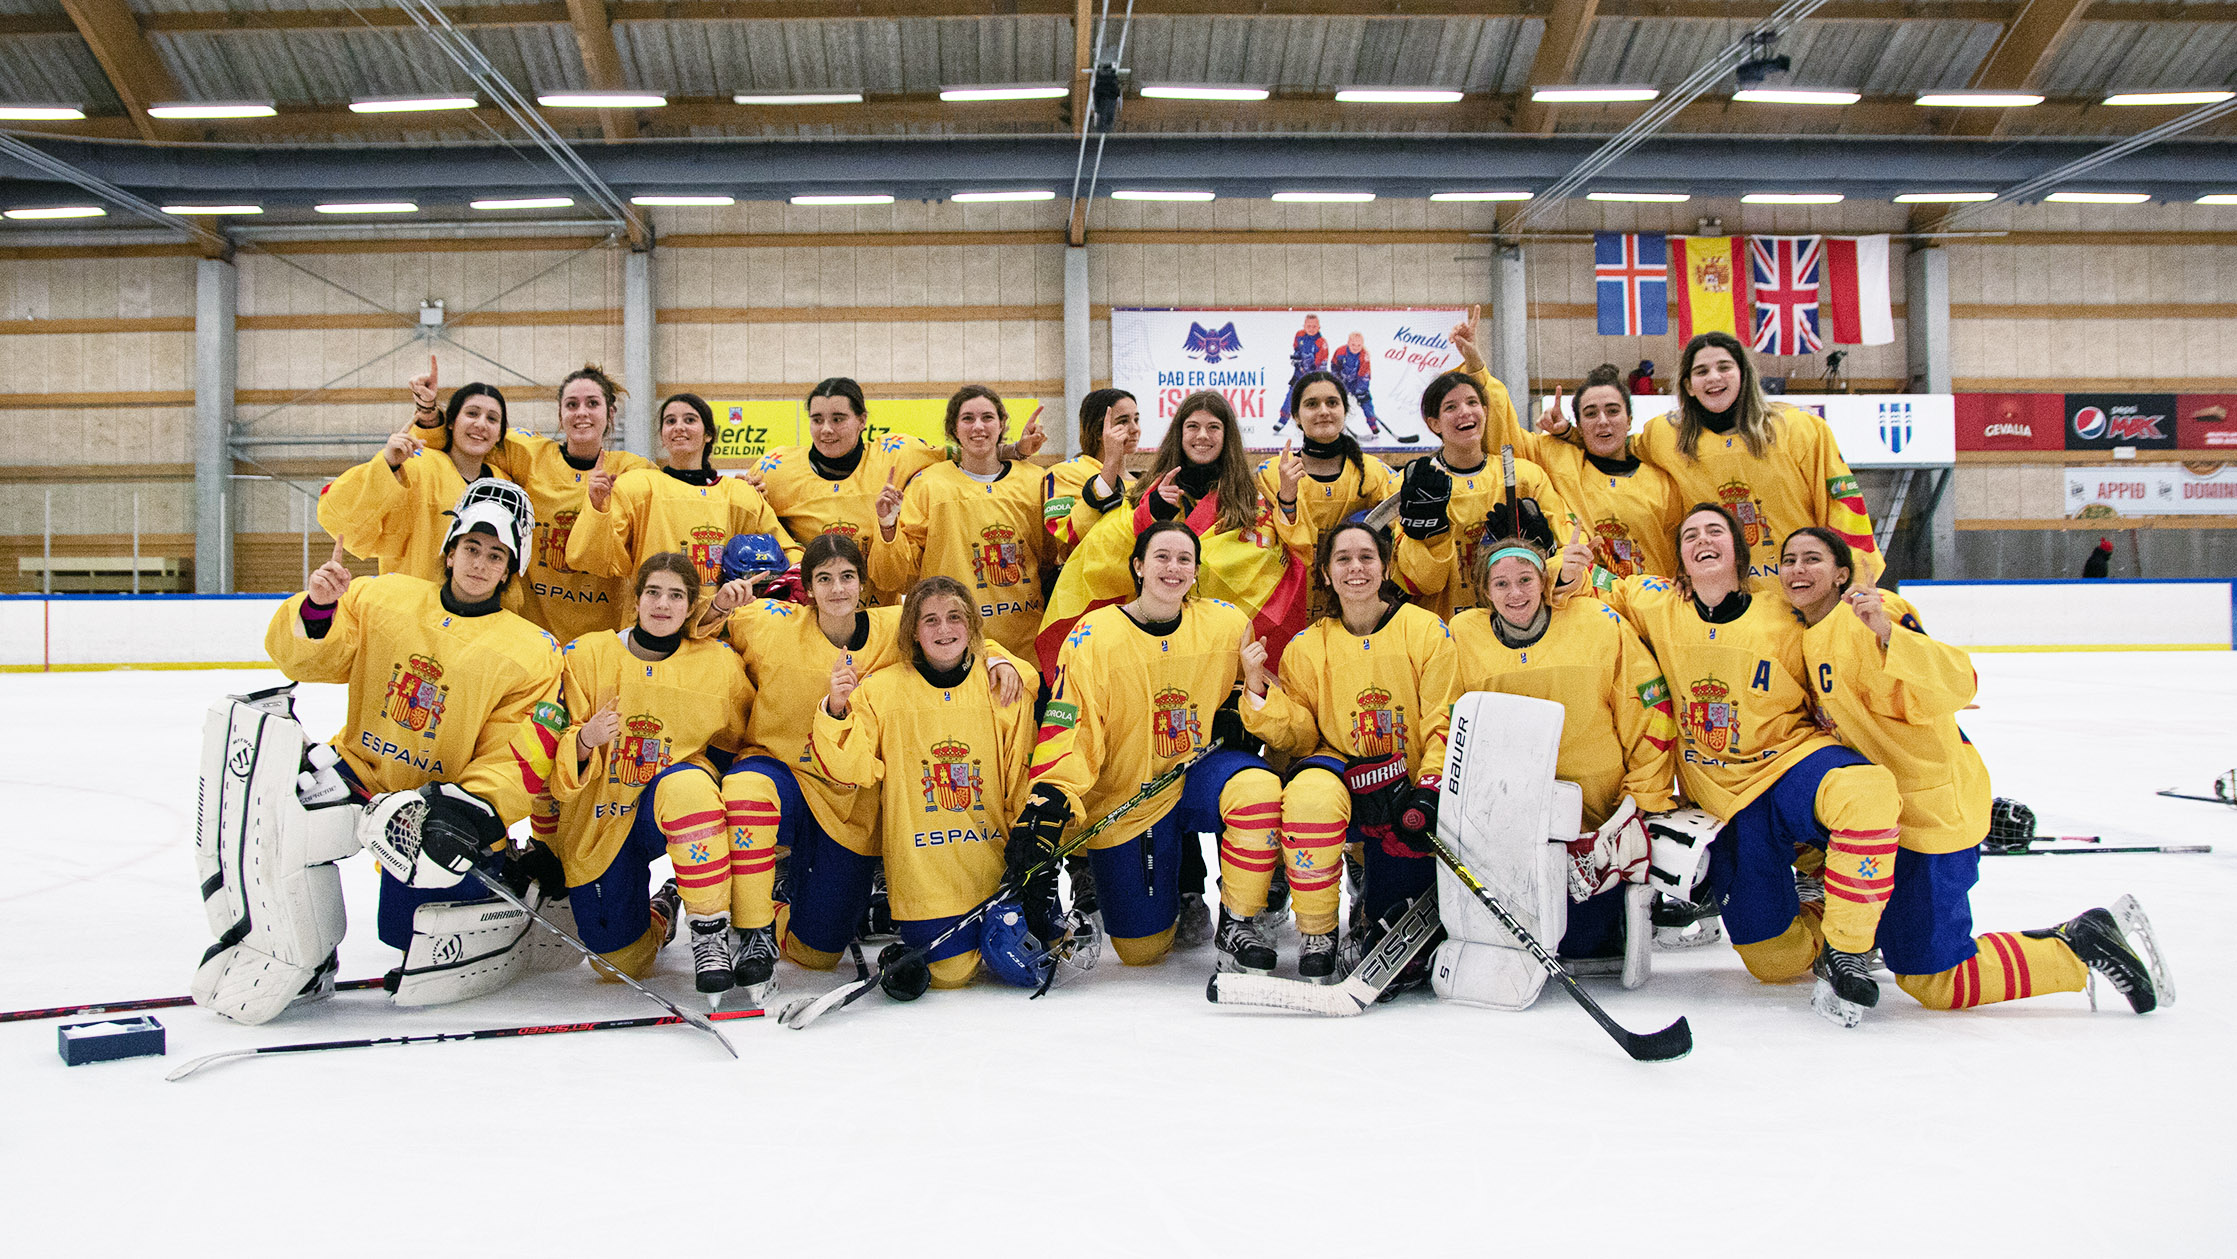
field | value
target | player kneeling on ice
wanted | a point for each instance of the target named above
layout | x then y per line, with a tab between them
452	712
1358	693
1893	694
1136	687
948	764
655	712
1616	740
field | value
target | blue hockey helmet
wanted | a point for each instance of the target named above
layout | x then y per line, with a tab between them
748	553
1012	954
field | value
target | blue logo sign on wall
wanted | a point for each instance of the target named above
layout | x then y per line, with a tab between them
1895	426
1210	345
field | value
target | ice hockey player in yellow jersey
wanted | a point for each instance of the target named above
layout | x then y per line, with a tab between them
1618	736
774	801
1449	504
1893	694
1753	753
1110	425
977	520
832	484
1775	467
1332	477
950	767
394	506
684	506
566	601
1355	700
444	685
1136	688
635	781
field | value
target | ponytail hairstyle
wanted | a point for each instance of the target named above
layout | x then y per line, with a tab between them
841	387
1844	556
595	374
1094	408
826	547
1350	453
1494	550
965	394
706	420
457	403
912	607
1750	413
1238	490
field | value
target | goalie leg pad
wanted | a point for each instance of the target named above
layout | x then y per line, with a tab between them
1507	817
269	888
462	949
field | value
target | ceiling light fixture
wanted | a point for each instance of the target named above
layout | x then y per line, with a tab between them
213	109
1159	194
1791	198
1941	198
602	100
1671	197
1479	196
59	212
2100	198
367	207
1796	96
843	198
523	203
683	199
213	209
1398	96
2169	98
1591	95
41	113
1978	100
798	98
1203	92
1308	197
1020	194
411	104
1002	92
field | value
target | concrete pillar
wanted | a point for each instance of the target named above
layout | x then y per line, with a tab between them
216	360
1078	373
1509	351
638	407
1926	322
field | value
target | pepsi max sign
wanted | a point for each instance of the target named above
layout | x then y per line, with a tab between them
2103	421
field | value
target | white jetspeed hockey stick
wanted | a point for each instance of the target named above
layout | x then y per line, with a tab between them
408	818
1362	988
801	1012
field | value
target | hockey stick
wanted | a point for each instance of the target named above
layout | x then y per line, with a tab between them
488	1033
2172	794
1674	1041
2085	852
498	889
149	1003
804	1011
1362	988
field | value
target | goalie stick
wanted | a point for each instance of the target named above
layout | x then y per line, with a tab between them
806	1010
1674	1041
488	1033
146	1003
2024	850
1405	940
2173	794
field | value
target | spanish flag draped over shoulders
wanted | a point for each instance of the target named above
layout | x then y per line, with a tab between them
1250	568
1709	277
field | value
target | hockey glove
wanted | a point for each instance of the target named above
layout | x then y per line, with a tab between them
1417	819
1033	842
906	981
1520	518
1379	790
1424	500
461	828
538	864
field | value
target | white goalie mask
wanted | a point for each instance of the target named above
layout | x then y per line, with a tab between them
501	506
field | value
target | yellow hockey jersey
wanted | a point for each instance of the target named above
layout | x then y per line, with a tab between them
949	768
650	511
1738	690
672	711
788	662
1629	518
1127	705
1060	490
433	696
1320	504
1441	573
395	515
1618	736
988	535
1345	695
1800	480
811	506
1899	708
568	602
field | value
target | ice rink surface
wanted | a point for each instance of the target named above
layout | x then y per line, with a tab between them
1125	1115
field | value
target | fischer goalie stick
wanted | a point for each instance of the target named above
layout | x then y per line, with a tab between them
1412	933
488	1033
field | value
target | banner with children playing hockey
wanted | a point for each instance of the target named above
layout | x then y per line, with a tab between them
1383	356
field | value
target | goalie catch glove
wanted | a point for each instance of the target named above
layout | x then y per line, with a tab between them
1521	518
1033	842
1424	500
461	828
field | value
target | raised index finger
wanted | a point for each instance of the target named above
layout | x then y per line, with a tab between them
339	557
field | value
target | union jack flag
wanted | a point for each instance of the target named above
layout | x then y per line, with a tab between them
1631	278
1785	271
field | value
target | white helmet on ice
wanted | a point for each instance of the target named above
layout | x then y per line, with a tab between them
496	507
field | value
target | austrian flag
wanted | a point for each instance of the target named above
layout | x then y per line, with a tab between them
1631	279
1785	274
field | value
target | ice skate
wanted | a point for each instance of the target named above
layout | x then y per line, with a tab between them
1316	958
1193	925
1845	987
667	906
754	969
1243	945
710	954
2130	963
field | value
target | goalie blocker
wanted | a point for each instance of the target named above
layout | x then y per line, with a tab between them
272	892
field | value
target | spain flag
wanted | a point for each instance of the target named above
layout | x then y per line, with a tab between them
1709	278
1249	568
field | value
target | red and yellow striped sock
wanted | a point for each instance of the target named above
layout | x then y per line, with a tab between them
752	812
2007	966
1250	839
689	811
